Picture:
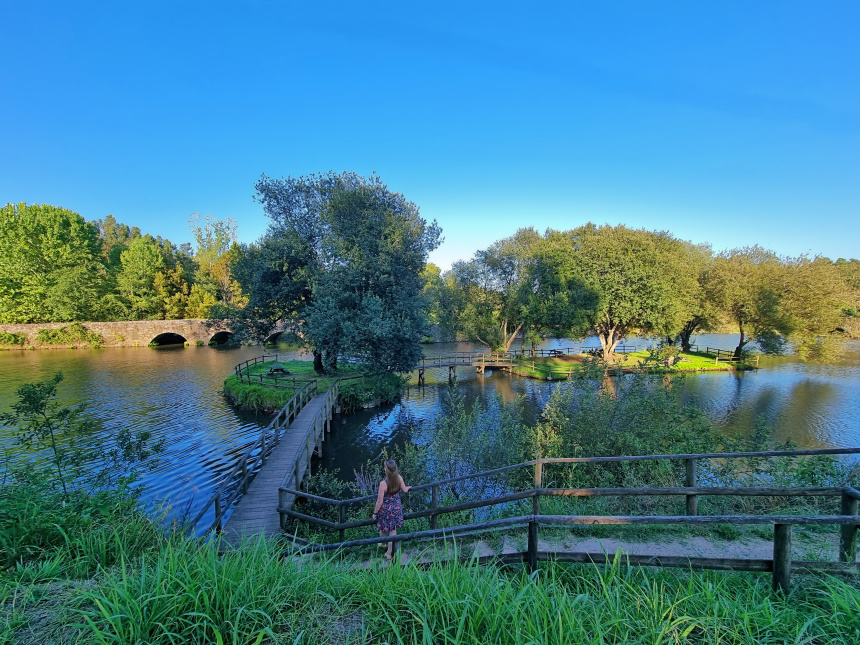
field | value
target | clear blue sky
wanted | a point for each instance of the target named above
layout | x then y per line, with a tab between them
728	122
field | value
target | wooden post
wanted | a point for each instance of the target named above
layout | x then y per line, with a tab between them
341	518
848	532
782	558
538	484
531	561
434	503
692	500
282	502
218	513
244	476
263	451
298	481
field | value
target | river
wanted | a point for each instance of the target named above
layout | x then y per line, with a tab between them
176	394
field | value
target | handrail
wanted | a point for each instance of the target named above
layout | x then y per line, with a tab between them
588	460
247	463
848	519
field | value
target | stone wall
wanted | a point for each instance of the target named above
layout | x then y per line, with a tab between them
130	333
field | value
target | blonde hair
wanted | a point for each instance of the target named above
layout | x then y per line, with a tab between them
392	477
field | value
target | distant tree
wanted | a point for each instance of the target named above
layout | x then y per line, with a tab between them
746	285
50	265
702	314
217	252
141	262
637	280
496	285
341	264
815	300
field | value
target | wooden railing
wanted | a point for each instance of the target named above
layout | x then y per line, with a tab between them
312	439
287	381
780	565
728	356
237	480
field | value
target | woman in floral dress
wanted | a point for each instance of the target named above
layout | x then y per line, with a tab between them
389	511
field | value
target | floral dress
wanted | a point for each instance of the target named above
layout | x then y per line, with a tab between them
390	514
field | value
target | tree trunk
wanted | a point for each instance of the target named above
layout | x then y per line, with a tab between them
741	344
608	341
509	340
318	364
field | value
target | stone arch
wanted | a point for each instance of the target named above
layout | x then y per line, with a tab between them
167	338
222	337
273	338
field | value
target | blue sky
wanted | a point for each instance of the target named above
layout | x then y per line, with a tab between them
733	123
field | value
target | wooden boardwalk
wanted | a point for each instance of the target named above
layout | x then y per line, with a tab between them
257	511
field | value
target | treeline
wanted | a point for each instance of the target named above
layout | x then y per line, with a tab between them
615	282
57	267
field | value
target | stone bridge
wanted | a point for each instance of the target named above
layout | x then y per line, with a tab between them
138	333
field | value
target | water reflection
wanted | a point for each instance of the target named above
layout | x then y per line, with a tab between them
176	394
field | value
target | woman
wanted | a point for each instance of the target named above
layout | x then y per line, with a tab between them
389	511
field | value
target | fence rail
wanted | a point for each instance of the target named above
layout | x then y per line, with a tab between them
780	565
268	379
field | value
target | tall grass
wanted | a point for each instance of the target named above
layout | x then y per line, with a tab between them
189	594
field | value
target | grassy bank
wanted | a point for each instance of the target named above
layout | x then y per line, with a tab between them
185	592
559	367
359	388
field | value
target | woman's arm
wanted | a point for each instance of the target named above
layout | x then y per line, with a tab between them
380	496
403	485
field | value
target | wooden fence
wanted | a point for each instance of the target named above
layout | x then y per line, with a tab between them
781	564
269	379
236	481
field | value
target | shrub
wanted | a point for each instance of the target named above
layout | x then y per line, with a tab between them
370	390
8	339
74	334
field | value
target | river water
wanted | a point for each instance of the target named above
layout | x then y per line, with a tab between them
176	394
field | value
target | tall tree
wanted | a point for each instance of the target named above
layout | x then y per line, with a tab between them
141	262
638	281
50	265
746	284
341	264
497	286
217	251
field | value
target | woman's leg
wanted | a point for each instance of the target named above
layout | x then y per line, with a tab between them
390	552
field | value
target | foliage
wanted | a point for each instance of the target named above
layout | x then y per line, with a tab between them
632	415
217	254
341	264
72	464
9	339
191	593
50	265
496	284
83	530
371	390
639	280
141	262
70	335
462	441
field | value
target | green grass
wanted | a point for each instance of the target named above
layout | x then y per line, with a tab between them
558	367
189	593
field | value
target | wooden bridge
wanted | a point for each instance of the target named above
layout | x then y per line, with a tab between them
280	456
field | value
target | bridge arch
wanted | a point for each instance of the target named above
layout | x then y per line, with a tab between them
167	338
222	338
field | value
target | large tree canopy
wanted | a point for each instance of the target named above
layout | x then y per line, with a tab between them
639	280
50	265
341	264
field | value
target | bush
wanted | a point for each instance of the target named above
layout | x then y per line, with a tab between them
8	339
75	334
370	390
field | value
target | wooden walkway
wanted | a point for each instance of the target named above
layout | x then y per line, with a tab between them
257	511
